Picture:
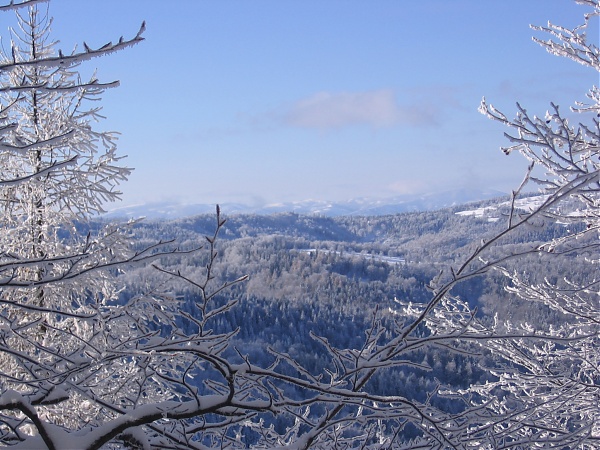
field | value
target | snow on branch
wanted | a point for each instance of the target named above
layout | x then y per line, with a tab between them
16	5
62	60
43	172
93	86
56	140
570	43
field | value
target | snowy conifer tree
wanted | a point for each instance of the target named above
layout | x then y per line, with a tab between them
52	127
56	171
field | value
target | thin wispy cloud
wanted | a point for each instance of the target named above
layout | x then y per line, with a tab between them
547	88
407	186
380	108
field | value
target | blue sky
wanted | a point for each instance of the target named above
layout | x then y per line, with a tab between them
270	101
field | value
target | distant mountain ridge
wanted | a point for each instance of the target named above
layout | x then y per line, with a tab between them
356	207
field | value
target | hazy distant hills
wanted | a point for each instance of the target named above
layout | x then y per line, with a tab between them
357	207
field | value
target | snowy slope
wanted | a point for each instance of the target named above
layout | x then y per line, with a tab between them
493	212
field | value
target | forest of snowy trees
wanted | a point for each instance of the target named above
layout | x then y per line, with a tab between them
425	330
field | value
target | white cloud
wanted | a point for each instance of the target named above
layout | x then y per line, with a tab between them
326	110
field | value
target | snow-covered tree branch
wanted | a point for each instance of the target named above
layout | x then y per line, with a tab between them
13	5
545	392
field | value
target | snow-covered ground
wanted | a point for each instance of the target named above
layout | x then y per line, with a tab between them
493	212
367	256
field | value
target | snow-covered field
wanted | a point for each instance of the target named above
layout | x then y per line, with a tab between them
493	212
